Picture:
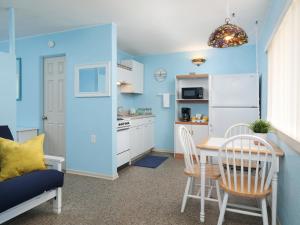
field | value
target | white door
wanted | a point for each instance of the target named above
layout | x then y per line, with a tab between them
138	70
135	141
222	118
142	141
54	105
123	142
151	135
241	90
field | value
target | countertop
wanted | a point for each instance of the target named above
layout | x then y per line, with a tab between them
137	117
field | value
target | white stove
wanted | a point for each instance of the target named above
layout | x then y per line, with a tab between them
123	124
123	142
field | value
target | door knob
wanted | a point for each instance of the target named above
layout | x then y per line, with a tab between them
44	117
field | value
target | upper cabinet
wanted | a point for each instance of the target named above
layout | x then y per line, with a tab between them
131	77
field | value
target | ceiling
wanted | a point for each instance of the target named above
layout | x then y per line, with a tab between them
144	26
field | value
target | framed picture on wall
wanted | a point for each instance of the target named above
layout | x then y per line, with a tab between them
19	79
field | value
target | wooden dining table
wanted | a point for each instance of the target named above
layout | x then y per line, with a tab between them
210	148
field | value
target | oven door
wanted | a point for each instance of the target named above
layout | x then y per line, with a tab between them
123	147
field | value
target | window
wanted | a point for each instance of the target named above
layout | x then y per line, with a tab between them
284	74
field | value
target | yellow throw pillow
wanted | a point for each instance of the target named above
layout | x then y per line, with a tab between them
19	158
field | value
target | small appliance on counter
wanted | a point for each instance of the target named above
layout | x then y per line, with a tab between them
192	93
185	114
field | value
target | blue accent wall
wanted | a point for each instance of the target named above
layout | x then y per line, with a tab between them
84	116
289	182
219	61
7	91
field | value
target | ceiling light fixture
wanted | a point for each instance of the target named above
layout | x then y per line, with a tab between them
198	61
228	35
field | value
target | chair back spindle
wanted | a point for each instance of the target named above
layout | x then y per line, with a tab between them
245	151
238	129
189	149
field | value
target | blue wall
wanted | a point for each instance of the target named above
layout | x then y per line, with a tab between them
219	61
8	90
289	182
84	116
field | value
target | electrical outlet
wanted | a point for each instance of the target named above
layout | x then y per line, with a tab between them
93	139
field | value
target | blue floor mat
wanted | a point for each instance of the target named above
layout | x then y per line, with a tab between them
150	161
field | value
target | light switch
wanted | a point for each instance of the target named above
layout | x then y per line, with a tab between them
93	139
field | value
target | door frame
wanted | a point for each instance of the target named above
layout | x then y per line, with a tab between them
42	82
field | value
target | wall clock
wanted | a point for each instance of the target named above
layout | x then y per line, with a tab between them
51	44
160	75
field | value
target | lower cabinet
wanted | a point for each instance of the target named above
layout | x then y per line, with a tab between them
141	136
199	134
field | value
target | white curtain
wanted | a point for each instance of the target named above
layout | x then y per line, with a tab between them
284	74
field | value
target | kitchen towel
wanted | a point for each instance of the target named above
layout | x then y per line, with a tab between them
166	100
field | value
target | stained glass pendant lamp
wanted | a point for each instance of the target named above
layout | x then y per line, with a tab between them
228	35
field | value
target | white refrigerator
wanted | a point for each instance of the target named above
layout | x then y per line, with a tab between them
233	99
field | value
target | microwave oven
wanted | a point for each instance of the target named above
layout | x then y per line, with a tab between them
192	93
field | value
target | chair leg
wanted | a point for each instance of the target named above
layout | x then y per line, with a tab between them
191	189
186	192
57	201
218	195
264	211
223	208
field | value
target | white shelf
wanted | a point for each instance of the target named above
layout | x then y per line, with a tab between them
192	100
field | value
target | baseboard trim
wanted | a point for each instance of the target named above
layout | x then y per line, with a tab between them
161	151
91	174
181	156
178	156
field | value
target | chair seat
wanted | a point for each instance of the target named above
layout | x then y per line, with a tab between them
244	192
211	171
22	188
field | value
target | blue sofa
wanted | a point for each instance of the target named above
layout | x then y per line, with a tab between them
22	193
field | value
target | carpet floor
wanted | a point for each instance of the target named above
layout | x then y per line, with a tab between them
139	196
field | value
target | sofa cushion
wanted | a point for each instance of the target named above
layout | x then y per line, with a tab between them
19	158
5	133
20	189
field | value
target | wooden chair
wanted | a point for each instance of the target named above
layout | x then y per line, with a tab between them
192	168
253	183
238	129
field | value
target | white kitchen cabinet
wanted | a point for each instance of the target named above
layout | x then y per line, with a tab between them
150	135
141	136
25	134
135	141
123	75
138	77
133	81
147	138
199	134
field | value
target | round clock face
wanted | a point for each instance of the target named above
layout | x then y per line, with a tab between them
51	44
160	75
